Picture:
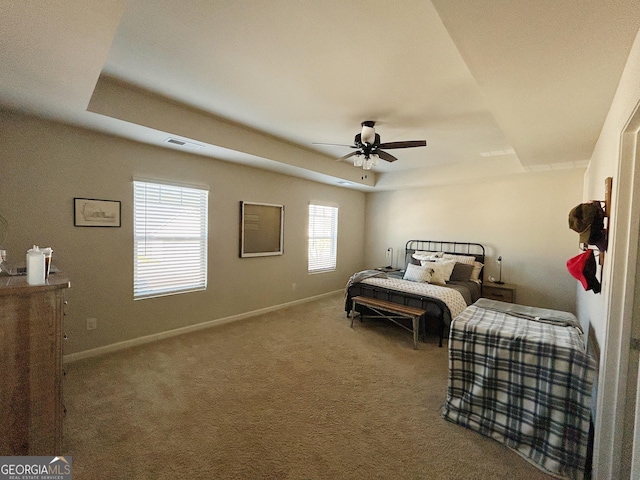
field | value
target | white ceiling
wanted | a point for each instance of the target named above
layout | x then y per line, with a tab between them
268	79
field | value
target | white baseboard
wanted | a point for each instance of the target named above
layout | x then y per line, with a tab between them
94	352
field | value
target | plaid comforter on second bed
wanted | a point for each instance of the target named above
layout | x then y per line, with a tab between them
524	382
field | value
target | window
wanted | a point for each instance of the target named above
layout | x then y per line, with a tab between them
170	239
323	237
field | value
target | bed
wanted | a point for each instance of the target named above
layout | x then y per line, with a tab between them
441	300
522	376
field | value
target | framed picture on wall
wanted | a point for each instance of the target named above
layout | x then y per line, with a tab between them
91	212
261	229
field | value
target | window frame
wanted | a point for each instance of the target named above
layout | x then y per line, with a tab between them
170	238
318	265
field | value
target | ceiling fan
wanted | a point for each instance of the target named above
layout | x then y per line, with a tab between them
369	149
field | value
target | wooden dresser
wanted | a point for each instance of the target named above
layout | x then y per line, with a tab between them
31	365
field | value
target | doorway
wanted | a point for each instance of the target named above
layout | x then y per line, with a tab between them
617	446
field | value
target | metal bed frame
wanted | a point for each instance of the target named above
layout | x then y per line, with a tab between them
433	306
455	248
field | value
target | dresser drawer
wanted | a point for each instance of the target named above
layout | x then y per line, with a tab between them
502	293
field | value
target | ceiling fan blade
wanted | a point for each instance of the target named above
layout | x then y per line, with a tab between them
348	155
334	144
406	144
386	156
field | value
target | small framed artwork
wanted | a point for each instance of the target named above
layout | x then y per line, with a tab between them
261	229
91	212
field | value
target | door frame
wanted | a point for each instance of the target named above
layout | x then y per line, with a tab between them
616	403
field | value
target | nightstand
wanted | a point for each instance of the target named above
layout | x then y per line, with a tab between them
504	292
387	269
391	272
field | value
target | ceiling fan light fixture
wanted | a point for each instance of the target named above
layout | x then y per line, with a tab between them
369	149
368	134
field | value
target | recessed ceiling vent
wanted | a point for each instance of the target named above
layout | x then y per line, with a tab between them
498	153
184	143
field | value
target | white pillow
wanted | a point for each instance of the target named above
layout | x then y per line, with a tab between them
433	254
441	270
427	256
467	259
418	273
447	267
475	274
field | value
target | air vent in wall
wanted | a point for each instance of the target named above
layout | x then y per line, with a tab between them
184	143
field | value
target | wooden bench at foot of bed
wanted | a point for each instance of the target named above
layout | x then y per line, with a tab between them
391	311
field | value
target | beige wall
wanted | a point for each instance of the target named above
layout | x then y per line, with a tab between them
45	165
605	163
523	218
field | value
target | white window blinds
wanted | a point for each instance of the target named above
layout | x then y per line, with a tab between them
170	239
323	237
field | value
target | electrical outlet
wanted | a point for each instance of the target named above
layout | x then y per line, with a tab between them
294	286
92	323
389	253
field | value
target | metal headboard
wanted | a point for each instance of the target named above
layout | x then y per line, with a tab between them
456	248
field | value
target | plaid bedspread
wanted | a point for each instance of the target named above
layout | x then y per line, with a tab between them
523	382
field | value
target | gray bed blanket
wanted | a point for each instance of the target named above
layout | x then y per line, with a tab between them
359	276
545	315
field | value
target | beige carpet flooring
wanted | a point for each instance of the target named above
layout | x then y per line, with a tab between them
293	394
